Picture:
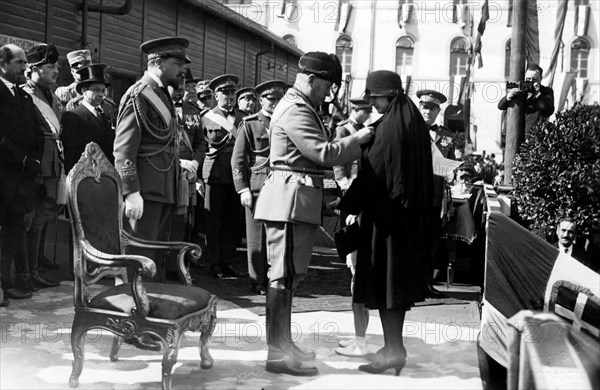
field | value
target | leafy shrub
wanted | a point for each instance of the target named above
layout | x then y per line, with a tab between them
557	171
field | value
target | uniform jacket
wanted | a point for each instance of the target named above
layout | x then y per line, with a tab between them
51	159
81	127
444	140
349	170
249	162
66	93
190	119
217	164
20	136
300	142
156	174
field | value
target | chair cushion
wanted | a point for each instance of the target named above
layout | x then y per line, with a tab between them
167	301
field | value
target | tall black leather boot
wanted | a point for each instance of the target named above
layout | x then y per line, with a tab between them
299	353
281	359
34	238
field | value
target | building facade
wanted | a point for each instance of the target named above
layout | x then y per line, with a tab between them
429	43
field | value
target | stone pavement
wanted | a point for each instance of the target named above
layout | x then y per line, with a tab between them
35	351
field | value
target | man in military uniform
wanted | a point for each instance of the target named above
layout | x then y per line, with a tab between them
42	70
146	143
291	199
192	149
77	59
221	203
21	147
250	166
206	99
443	139
246	100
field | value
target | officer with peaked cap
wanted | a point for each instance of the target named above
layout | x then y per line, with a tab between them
300	150
206	99
246	100
443	138
77	59
146	143
250	167
221	203
43	71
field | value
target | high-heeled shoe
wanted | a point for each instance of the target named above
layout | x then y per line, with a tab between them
382	364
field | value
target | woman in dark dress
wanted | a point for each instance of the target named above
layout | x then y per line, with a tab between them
393	191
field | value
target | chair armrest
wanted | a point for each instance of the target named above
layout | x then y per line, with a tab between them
144	267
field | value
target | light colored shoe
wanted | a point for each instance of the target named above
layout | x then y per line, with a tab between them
346	342
356	349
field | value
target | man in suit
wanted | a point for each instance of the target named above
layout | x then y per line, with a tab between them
88	122
566	231
246	100
42	72
291	199
443	139
145	147
539	103
250	167
21	148
221	204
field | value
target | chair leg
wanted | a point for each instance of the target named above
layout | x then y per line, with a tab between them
206	360
114	351
169	360
78	332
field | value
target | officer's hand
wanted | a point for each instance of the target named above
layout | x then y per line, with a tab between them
134	205
189	166
510	95
246	199
31	165
364	135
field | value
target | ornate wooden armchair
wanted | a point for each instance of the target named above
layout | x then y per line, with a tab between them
148	315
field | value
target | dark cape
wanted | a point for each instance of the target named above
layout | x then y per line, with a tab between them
394	192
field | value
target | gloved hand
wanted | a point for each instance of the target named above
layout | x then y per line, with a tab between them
134	205
246	199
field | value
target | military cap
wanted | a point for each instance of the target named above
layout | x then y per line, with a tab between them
273	88
323	65
243	92
91	74
79	58
42	54
224	82
383	83
359	102
202	89
431	96
189	78
166	47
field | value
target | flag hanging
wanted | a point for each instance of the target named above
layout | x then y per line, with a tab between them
485	16
561	15
532	38
524	272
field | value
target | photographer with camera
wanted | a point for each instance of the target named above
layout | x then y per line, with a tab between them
539	103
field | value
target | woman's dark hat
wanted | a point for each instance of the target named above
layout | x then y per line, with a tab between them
91	74
383	83
42	54
323	65
166	47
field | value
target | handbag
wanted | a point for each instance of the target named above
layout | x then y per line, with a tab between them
347	240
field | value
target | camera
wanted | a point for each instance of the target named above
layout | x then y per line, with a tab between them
523	86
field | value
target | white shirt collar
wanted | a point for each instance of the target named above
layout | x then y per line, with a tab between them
156	78
89	107
8	84
569	250
265	113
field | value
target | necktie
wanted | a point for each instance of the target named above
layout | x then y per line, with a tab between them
566	251
98	112
16	93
